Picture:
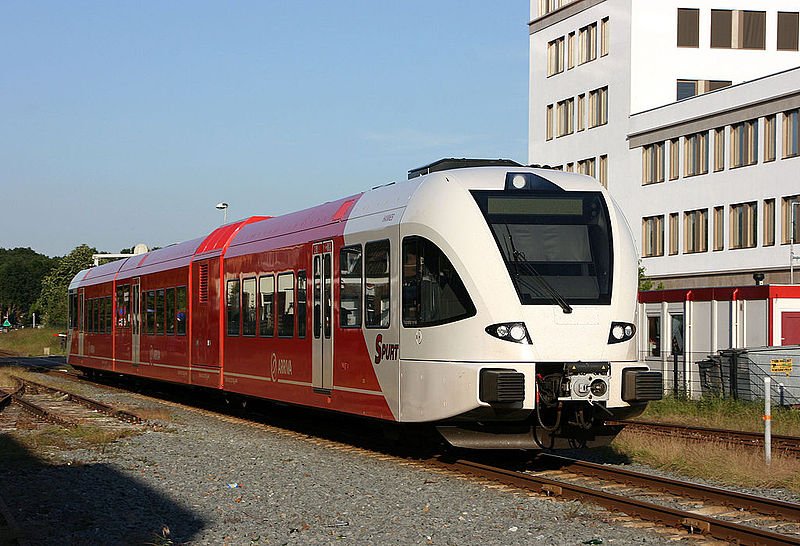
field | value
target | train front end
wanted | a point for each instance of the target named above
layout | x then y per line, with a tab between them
541	271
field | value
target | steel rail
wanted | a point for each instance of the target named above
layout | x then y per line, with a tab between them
734	499
40	412
756	439
720	529
87	402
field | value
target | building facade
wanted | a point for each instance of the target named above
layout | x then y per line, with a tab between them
688	112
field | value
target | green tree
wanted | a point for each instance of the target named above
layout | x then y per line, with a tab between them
53	301
645	282
21	274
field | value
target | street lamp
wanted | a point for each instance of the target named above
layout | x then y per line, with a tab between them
224	208
792	256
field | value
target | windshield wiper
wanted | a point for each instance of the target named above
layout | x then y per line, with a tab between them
531	271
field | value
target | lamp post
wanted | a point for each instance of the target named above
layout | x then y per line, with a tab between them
224	208
792	256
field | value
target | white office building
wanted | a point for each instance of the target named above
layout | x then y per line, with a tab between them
688	112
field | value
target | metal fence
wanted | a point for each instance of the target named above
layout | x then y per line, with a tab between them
732	373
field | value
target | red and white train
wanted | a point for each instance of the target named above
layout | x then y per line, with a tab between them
491	300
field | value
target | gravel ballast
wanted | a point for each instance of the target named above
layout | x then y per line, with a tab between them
210	481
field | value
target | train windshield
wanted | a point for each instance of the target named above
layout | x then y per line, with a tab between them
557	246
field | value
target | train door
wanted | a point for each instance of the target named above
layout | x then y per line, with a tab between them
136	306
205	312
322	343
81	322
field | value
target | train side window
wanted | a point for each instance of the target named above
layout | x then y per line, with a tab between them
170	320
123	313
327	301
249	307
286	305
90	317
301	304
433	292
266	288
160	312
182	314
317	297
73	315
233	304
85	312
377	289
135	313
109	314
98	312
150	310
350	286
94	316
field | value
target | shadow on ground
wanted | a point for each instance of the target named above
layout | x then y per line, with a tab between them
87	504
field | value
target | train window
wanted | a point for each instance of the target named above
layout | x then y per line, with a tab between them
377	288
317	297
301	304
98	311
135	313
181	315
433	292
73	316
266	288
350	287
327	268
160	319
123	314
150	310
109	314
170	322
90	316
233	302
286	305
249	307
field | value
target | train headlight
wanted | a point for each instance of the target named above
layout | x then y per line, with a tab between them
621	331
510	331
519	181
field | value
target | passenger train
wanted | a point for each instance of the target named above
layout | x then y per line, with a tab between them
492	301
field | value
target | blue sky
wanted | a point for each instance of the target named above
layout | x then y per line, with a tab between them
126	122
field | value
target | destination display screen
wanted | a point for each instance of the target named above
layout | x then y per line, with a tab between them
524	205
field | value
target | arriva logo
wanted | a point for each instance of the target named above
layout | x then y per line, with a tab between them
279	366
385	351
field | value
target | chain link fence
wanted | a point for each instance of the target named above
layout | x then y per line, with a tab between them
732	373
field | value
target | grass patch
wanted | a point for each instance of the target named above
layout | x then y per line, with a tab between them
714	461
722	413
81	437
31	342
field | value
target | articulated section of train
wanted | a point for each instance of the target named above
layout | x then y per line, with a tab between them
494	302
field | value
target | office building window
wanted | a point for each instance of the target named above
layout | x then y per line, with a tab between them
688	27
690	88
598	107
570	167
719	149
674	158
653	163
604	37
549	122
787	31
653	236
790	133
695	229
769	138
570	51
743	222
790	219
547	6
587	43
695	153
565	111
673	234
602	175
581	112
769	222
587	166
738	29
719	228
744	143
555	57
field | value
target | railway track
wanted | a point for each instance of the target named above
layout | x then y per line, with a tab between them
789	444
686	507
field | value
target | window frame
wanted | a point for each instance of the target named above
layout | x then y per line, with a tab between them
279	314
260	307
238	301
370	325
